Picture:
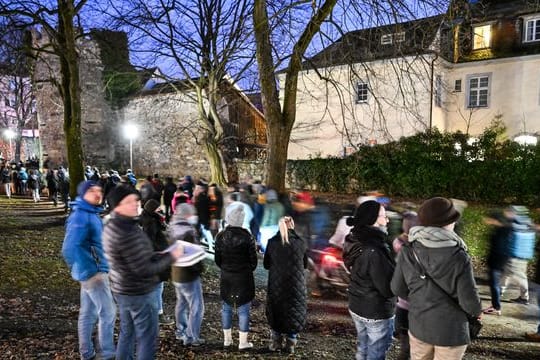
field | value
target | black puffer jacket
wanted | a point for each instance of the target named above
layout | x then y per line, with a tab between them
286	305
236	255
371	264
134	267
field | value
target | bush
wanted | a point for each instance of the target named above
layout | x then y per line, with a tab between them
432	164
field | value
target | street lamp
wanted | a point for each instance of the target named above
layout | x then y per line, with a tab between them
10	134
131	132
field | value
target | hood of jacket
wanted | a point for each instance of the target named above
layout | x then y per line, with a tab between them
435	237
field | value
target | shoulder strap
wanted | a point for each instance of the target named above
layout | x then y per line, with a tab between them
425	275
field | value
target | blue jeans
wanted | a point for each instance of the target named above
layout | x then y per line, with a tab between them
97	305
138	321
189	310
159	297
277	335
243	316
374	337
495	287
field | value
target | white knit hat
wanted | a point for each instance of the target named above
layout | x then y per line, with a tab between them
235	216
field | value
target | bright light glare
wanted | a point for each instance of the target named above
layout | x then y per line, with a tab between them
10	134
131	131
526	139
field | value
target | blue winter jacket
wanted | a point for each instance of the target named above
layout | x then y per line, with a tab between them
82	248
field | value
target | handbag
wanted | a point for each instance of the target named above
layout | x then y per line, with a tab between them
475	325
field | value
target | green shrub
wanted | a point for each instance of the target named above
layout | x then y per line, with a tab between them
490	169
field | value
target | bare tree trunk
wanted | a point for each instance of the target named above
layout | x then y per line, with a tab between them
69	69
213	155
280	122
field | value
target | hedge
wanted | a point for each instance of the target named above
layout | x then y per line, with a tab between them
488	169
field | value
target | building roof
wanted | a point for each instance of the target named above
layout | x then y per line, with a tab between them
496	9
365	45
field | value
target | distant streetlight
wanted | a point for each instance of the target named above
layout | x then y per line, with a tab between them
131	132
10	134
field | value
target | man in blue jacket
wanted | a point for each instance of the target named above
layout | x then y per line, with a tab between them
83	252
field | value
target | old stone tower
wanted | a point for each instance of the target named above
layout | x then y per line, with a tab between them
115	93
98	118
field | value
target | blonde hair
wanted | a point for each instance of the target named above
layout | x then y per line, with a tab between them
285	223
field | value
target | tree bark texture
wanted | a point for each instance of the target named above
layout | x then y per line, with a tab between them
279	120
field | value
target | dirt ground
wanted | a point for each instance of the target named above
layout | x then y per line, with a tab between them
39	305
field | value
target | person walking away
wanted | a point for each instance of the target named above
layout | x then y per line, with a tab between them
189	309
202	204
168	193
273	211
286	303
23	178
158	186
82	250
370	262
236	256
497	255
521	249
410	219
34	185
6	181
153	226
215	208
434	272
63	187
52	184
134	275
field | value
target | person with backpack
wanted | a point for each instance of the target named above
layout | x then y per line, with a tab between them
23	178
520	250
52	185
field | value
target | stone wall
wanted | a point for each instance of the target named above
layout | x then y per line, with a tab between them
168	141
98	119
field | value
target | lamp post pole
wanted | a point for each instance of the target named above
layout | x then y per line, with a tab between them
131	132
131	153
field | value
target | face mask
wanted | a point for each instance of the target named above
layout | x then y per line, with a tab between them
193	220
384	229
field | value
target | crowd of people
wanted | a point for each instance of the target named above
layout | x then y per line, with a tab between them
421	290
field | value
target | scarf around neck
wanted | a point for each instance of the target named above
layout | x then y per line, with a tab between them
435	237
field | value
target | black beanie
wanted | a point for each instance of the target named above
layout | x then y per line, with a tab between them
151	206
366	214
118	193
438	212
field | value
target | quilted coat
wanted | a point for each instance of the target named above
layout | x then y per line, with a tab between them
286	305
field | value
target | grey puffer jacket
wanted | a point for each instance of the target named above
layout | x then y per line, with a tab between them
134	268
433	317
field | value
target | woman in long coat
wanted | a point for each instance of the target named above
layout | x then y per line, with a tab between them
236	256
286	306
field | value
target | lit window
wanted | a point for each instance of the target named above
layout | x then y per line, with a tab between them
362	91
482	37
532	30
478	95
386	39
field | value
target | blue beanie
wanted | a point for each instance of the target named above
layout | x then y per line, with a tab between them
83	187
